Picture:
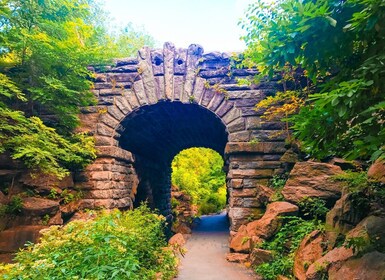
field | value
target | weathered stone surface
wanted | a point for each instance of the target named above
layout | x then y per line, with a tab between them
250	173
263	228
344	164
260	256
377	171
262	147
46	182
35	206
239	216
371	229
237	257
370	266
312	179
332	258
115	152
14	238
177	240
310	250
343	217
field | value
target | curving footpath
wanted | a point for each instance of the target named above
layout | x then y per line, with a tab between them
206	252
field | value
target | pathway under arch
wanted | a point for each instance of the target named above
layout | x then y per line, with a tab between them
153	106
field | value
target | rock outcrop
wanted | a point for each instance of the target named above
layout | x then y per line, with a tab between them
310	250
264	228
312	179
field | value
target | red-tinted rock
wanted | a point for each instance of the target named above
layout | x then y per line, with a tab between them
264	228
35	206
332	258
310	250
46	182
370	266
343	217
260	256
377	171
237	257
312	179
177	240
371	229
14	238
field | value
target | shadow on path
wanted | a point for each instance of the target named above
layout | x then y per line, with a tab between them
206	253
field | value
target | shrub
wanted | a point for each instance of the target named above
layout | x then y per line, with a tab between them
313	208
115	245
283	245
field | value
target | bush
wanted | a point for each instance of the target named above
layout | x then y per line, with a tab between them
115	245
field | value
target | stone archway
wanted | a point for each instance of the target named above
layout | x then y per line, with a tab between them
194	99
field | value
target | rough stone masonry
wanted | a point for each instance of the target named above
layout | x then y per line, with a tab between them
166	100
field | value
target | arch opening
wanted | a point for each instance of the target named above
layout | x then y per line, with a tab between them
155	134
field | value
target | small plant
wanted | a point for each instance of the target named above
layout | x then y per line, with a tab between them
45	220
313	207
191	99
15	205
283	245
254	141
53	194
277	183
69	197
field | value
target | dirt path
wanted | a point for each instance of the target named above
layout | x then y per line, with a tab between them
207	248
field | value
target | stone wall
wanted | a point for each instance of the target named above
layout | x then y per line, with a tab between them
153	106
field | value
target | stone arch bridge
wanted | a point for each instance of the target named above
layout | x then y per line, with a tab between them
166	100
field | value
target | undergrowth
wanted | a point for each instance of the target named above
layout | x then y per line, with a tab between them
283	246
114	245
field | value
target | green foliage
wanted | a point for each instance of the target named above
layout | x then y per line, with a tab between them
339	44
277	183
114	245
361	188
46	47
283	245
314	208
13	206
198	171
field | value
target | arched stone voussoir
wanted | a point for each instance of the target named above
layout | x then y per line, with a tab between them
115	152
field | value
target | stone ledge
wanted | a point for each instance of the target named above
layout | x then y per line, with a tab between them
261	147
114	152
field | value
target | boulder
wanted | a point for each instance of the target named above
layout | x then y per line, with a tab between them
14	238
7	257
177	240
44	182
264	228
313	179
371	229
268	225
260	256
370	266
237	257
181	228
310	250
377	171
35	206
345	164
323	264
343	217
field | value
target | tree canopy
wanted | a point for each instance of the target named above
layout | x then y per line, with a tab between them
339	46
199	172
46	47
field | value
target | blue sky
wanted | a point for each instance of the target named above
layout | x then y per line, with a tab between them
210	23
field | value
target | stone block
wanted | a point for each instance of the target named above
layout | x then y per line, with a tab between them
261	147
115	152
